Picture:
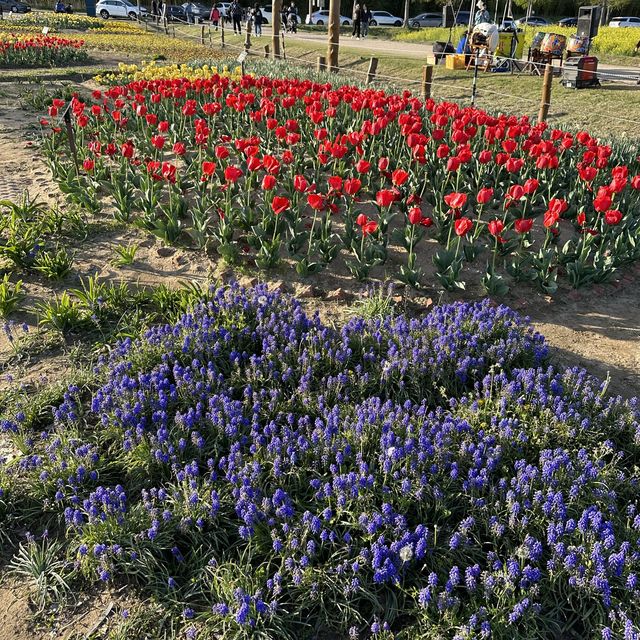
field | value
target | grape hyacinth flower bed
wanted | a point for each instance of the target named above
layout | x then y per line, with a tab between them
265	476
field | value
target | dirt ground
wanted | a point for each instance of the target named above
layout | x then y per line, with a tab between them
597	328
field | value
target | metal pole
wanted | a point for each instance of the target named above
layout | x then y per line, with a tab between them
475	79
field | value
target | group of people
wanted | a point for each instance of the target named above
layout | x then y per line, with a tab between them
361	19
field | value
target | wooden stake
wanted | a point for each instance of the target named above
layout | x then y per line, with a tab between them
202	34
276	7
371	73
284	52
545	100
266	51
427	81
222	32
247	40
321	64
333	45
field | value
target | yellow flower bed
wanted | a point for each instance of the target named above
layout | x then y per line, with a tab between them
149	44
154	71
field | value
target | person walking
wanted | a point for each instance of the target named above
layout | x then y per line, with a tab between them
256	15
215	16
365	19
292	18
236	16
357	14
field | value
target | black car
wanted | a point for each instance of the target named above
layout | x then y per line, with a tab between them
462	18
14	6
176	12
568	22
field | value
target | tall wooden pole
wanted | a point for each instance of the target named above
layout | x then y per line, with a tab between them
334	35
276	7
545	100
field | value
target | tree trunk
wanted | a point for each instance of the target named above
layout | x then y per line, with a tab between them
406	14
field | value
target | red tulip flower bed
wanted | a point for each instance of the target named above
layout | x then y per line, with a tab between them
39	51
266	167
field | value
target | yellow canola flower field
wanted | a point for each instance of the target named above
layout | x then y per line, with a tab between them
154	71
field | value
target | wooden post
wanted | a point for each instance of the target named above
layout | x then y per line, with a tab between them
222	18
474	86
321	64
334	35
545	100
276	6
266	51
202	34
427	81
284	52
247	39
371	73
166	27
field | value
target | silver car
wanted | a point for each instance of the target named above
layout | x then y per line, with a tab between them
426	20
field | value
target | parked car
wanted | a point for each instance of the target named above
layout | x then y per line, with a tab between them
223	8
199	12
508	24
14	7
175	13
384	19
568	22
267	17
322	17
118	9
532	21
627	21
426	20
462	18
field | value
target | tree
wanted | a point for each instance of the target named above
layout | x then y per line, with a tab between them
406	14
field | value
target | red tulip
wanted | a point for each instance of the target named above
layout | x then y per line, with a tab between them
557	205
550	218
463	226
88	165
602	201
300	183
385	197
531	186
383	164
581	218
456	200
179	148
316	201
208	168
484	157
271	164
352	186
157	141
453	164
232	174
127	150
279	204
587	173
361	220
523	225
495	227
442	151
221	152
362	166
485	195
613	217
415	215
268	182
370	227
335	182
399	177
635	182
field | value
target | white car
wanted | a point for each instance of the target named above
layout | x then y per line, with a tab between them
384	18
322	17
118	9
222	7
627	21
267	17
